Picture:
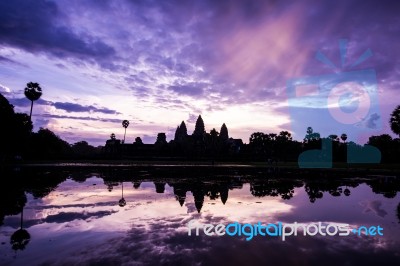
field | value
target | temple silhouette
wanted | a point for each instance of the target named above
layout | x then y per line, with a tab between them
199	144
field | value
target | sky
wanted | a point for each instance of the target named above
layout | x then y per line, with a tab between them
257	66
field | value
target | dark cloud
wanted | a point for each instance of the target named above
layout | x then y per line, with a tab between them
69	107
74	107
20	102
372	120
37	26
63	217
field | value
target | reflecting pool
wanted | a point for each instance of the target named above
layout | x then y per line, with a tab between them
140	215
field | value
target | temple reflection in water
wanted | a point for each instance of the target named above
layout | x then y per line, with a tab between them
46	211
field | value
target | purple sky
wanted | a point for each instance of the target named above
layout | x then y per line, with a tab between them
157	63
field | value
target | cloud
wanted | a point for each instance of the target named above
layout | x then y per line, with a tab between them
66	106
37	26
4	89
63	217
74	107
371	121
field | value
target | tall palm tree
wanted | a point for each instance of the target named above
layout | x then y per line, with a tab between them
33	92
125	124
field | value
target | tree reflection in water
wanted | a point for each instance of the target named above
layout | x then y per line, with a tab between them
122	201
20	238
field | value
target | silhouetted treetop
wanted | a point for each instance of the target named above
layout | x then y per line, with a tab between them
125	124
395	120
46	144
334	137
33	91
311	135
284	136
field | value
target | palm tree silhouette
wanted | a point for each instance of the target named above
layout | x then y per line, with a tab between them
125	124
343	137
33	92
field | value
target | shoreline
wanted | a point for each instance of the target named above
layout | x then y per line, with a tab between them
208	166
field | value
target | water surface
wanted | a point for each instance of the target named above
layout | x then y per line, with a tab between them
139	216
